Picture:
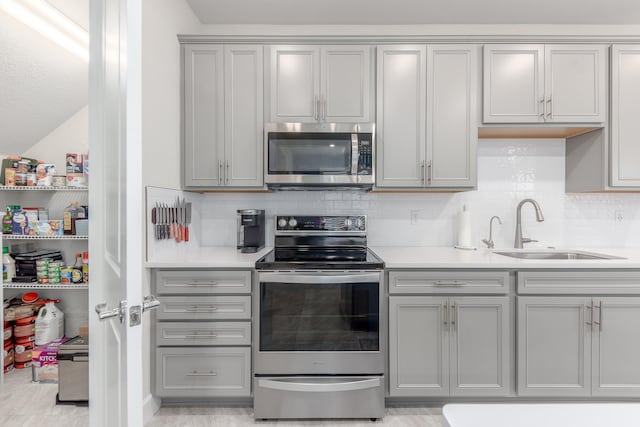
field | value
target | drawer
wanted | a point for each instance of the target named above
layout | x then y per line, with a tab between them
203	333
448	282
579	282
169	282
202	372
204	308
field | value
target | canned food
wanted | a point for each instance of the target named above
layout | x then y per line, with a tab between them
59	180
66	275
43	280
21	178
42	262
23	166
31	179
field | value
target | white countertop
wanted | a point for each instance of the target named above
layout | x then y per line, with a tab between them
448	257
209	257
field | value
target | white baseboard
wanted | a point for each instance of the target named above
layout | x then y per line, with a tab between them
150	406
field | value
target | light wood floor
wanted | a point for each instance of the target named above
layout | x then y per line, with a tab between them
23	403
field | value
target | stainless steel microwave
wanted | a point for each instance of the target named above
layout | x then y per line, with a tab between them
321	156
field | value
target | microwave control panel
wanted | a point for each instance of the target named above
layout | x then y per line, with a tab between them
365	151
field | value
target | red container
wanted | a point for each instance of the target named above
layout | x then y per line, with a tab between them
8	368
23	331
26	321
8	354
22	353
7	332
22	365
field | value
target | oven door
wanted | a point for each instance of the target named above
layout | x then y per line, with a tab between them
319	322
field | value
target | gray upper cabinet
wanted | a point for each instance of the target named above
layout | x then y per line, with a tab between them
545	83
625	116
441	346
223	117
320	84
427	116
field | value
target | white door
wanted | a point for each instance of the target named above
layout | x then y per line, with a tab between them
513	83
115	194
480	346
575	83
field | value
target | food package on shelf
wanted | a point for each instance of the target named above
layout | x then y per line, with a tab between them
45	361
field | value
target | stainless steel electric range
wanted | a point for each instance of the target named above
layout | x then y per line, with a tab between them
318	335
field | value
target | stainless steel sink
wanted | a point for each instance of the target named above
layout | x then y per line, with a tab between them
562	255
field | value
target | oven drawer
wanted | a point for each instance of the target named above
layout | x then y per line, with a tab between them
203	333
318	397
203	372
202	282
204	308
448	282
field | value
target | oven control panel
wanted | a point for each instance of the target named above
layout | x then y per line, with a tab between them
334	223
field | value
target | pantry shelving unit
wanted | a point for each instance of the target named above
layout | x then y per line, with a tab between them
73	296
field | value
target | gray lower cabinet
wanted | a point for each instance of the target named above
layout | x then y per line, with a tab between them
583	345
441	346
202	333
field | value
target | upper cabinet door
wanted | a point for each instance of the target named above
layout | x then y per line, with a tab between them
575	83
243	116
203	115
401	115
625	116
345	85
513	83
452	120
295	91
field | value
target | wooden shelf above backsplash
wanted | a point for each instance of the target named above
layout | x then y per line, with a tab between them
532	132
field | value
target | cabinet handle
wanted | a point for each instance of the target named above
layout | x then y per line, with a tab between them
219	172
422	174
430	172
200	309
542	108
226	174
590	308
599	322
201	374
203	283
550	108
449	283
201	336
324	109
315	107
446	313
454	315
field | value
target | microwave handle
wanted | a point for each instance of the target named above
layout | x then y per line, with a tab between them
355	154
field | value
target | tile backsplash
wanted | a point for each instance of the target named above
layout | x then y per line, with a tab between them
508	171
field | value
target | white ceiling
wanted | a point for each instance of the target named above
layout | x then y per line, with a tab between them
41	84
375	12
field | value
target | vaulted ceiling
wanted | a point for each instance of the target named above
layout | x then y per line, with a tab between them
41	84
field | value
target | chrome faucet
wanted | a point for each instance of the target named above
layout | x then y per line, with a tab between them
539	217
489	242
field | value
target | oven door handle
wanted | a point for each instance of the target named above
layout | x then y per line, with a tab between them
320	387
320	279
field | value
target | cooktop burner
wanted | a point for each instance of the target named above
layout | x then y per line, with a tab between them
334	242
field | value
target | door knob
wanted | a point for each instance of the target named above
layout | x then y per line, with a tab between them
150	302
104	313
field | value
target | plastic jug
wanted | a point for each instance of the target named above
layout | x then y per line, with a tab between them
49	324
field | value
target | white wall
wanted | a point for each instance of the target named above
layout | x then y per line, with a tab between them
508	171
72	136
162	20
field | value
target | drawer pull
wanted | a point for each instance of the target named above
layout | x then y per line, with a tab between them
450	283
201	309
201	374
201	336
202	283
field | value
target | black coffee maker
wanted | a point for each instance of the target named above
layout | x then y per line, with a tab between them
251	230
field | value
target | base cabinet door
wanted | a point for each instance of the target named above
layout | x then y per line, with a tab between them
616	347
554	346
419	346
480	346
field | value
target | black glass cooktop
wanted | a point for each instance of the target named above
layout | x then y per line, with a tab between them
338	258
